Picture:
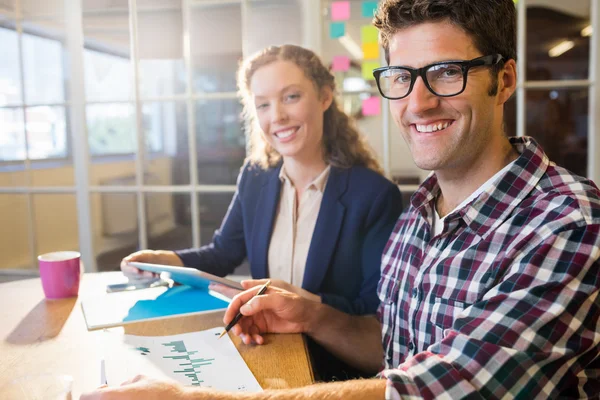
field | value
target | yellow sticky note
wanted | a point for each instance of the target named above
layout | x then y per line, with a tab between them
368	34
367	70
370	51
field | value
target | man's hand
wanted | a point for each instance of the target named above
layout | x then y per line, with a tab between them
164	257
277	311
140	387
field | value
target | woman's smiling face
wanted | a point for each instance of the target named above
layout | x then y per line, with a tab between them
289	109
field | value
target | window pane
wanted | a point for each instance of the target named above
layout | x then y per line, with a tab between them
215	51
212	207
107	76
161	66
59	173
14	243
167	221
166	133
282	18
111	129
104	6
46	8
10	90
558	120
55	222
556	47
12	135
220	141
7	9
43	69
114	228
107	66
46	132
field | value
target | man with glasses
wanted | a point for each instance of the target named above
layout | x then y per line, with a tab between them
490	281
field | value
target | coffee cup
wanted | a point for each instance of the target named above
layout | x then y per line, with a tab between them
60	272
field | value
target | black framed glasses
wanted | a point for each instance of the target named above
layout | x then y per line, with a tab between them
444	79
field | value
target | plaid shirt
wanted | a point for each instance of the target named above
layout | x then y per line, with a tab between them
505	302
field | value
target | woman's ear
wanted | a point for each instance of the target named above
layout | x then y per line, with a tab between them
326	97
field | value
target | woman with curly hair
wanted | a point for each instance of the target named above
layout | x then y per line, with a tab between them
312	210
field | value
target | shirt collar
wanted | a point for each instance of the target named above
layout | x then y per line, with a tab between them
492	206
318	183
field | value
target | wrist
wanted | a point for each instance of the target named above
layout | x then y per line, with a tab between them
170	258
317	317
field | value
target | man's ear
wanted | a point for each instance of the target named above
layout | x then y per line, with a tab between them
507	81
326	97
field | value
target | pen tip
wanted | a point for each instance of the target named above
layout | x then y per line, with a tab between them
222	334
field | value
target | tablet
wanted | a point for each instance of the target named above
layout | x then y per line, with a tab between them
187	276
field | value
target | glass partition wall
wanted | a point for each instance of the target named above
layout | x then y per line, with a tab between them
120	127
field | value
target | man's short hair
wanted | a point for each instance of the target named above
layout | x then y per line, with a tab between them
490	23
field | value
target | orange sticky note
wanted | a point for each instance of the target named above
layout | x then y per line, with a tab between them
370	51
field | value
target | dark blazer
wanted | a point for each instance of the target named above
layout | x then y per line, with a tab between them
358	212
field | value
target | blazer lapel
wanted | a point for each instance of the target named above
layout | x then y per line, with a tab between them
327	229
266	209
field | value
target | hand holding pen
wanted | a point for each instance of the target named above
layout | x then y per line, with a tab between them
239	315
278	311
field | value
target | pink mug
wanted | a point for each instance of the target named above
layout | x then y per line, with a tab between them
60	272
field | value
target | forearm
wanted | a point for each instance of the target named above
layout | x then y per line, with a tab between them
349	390
353	339
209	259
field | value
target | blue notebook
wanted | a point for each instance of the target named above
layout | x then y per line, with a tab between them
120	308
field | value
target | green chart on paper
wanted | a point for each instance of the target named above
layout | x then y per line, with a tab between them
199	359
191	365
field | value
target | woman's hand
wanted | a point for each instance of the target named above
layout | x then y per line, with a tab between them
165	257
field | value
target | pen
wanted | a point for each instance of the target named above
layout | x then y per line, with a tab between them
239	315
102	373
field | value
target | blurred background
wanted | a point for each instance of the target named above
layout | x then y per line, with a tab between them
120	127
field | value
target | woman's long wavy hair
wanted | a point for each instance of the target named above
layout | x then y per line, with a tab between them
343	145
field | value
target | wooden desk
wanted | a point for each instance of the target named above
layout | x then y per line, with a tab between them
40	336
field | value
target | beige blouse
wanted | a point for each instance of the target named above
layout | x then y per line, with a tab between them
293	229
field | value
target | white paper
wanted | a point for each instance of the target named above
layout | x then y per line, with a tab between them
192	359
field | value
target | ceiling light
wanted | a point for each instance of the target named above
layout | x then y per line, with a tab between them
560	48
587	31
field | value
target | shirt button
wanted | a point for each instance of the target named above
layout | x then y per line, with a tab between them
411	346
415	292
